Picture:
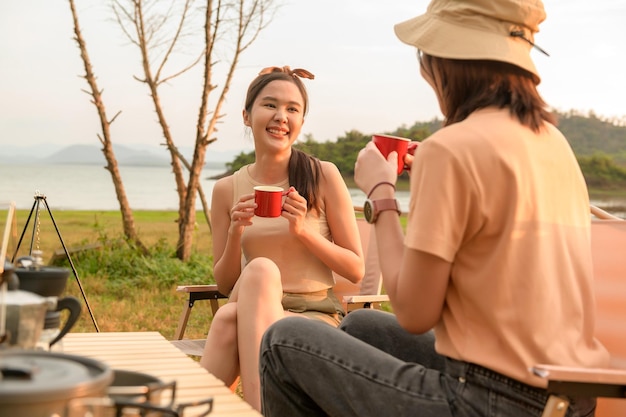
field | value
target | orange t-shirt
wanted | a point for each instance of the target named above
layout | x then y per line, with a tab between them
509	209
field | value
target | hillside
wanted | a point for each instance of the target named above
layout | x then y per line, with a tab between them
599	145
589	135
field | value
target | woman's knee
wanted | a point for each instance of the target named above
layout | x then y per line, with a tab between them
363	318
365	324
224	322
260	273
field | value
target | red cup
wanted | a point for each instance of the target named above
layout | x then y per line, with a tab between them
387	144
269	200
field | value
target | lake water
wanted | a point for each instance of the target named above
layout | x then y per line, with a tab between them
89	187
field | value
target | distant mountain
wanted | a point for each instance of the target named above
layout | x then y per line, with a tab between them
92	155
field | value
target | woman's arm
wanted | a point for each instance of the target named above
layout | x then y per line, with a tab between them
419	291
227	234
415	281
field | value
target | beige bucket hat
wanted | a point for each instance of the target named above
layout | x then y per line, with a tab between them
499	30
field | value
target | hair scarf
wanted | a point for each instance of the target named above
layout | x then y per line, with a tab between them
297	72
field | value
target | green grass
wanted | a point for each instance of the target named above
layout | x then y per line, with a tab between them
125	290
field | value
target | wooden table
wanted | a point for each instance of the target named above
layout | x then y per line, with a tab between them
151	353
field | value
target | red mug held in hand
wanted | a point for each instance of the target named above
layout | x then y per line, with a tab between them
269	200
387	144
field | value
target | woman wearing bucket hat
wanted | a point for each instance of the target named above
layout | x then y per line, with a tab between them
496	257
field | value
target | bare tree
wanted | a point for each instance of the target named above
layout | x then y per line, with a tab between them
128	220
230	27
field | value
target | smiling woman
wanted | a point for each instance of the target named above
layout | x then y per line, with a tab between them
282	264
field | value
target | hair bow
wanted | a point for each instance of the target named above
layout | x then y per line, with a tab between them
299	72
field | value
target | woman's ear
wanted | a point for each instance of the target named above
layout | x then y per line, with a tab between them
246	118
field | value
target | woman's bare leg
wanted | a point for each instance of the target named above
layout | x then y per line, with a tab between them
258	306
221	355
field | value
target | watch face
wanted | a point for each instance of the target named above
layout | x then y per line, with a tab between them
368	210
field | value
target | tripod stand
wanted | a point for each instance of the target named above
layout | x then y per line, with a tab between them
35	209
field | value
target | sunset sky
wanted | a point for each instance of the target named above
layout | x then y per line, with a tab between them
366	79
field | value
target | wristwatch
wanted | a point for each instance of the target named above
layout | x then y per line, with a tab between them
372	208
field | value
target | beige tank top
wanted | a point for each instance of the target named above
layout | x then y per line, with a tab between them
301	271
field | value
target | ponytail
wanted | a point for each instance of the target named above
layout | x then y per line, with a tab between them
305	172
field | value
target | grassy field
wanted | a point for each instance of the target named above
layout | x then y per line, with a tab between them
124	291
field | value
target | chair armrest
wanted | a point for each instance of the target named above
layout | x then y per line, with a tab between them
591	382
196	293
593	375
365	298
196	288
201	292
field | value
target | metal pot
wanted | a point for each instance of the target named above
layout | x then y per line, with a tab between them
46	281
130	386
26	318
29	314
25	315
41	384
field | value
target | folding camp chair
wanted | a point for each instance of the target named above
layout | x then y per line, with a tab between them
608	242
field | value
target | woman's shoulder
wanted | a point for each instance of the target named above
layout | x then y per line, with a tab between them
224	180
224	184
329	167
331	178
480	124
228	180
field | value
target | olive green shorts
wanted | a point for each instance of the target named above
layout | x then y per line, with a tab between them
319	305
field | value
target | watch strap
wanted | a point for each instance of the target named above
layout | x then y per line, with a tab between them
385	204
373	208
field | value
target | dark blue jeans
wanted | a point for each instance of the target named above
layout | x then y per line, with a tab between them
373	367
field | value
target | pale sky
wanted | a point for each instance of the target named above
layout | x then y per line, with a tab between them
366	79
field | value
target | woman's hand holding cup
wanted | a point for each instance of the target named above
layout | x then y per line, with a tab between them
295	210
372	168
410	152
402	146
242	212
